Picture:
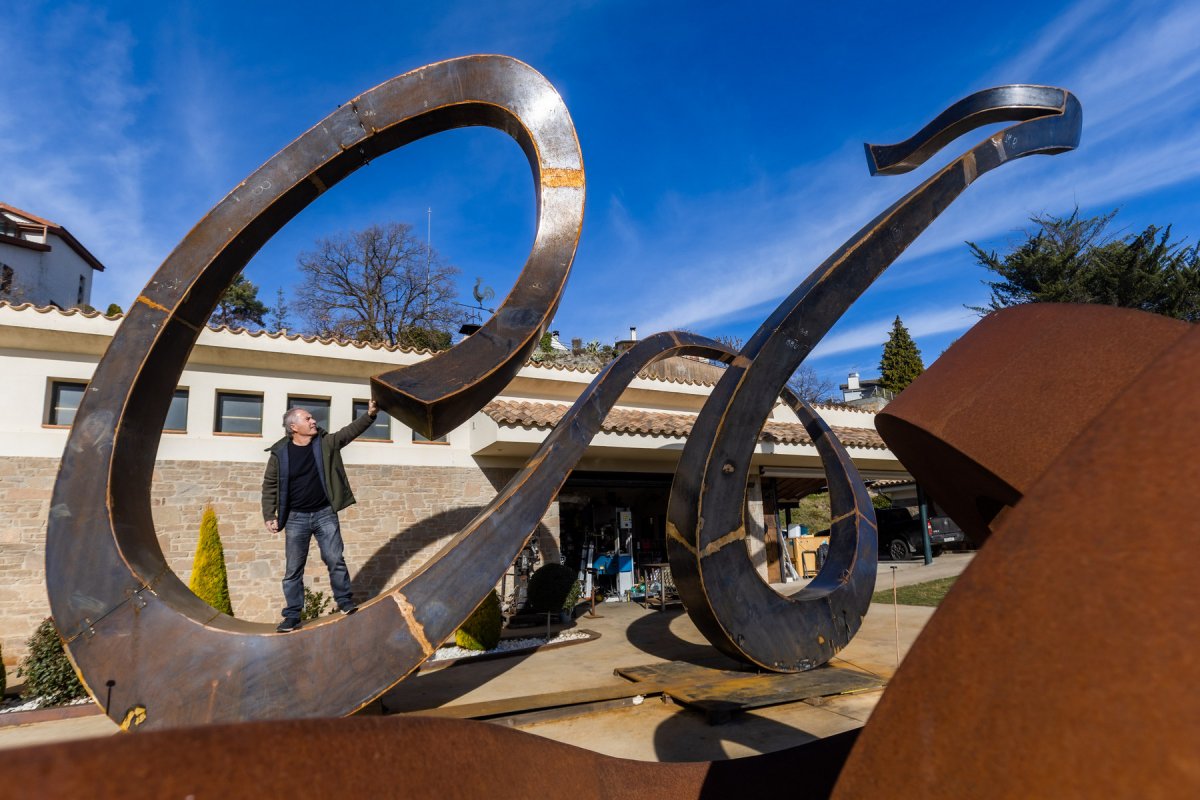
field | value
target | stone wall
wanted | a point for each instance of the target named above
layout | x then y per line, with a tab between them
403	517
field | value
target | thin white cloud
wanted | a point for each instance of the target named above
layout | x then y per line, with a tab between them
874	333
1139	138
81	163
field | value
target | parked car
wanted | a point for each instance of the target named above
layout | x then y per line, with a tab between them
900	533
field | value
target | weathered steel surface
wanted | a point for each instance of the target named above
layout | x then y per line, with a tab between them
1063	662
380	757
165	658
168	653
720	694
126	617
983	423
706	528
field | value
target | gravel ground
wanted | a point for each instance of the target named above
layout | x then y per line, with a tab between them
17	704
506	645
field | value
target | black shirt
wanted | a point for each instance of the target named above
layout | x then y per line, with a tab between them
305	492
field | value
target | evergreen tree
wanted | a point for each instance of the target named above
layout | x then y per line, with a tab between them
279	312
209	581
46	669
1073	260
239	305
901	362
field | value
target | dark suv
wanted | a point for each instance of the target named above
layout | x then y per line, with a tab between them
900	533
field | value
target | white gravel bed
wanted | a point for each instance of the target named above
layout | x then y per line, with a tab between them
10	706
448	653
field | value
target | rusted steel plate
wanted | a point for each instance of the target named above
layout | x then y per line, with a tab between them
411	757
983	423
1063	662
739	613
721	693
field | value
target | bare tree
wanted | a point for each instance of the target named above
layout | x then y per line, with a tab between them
810	386
380	284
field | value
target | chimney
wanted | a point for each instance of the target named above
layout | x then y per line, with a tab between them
852	384
624	345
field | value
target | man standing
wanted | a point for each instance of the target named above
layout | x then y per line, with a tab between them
303	490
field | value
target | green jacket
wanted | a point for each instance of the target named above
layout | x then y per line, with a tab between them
329	467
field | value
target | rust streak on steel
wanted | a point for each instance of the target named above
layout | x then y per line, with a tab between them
414	626
708	496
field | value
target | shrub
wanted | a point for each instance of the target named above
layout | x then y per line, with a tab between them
573	596
549	587
209	581
481	631
315	604
48	673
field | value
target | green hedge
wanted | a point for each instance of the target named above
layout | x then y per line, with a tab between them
550	587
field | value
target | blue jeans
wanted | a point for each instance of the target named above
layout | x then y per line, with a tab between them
301	527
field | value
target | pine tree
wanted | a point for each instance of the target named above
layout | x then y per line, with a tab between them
901	362
279	319
209	581
239	306
1077	260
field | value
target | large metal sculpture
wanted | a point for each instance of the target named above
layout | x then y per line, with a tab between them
166	658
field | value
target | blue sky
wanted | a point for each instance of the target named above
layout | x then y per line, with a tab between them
722	142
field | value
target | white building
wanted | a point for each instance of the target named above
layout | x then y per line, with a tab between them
412	494
42	263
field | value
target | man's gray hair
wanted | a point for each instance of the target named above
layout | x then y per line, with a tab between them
289	417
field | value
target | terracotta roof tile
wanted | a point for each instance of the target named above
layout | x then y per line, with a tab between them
530	414
291	337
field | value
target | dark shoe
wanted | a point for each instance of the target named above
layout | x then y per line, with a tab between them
288	625
348	610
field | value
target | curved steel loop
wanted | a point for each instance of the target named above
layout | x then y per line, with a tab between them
706	510
168	653
125	615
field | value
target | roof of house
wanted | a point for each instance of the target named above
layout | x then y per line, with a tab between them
533	414
49	228
666	375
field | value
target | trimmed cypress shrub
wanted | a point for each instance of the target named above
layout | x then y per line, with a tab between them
549	587
47	670
481	631
209	581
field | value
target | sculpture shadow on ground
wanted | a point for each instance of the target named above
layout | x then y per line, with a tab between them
380	571
652	634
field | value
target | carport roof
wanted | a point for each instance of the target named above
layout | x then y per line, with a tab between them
532	414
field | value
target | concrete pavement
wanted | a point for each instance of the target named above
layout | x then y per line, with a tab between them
632	636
